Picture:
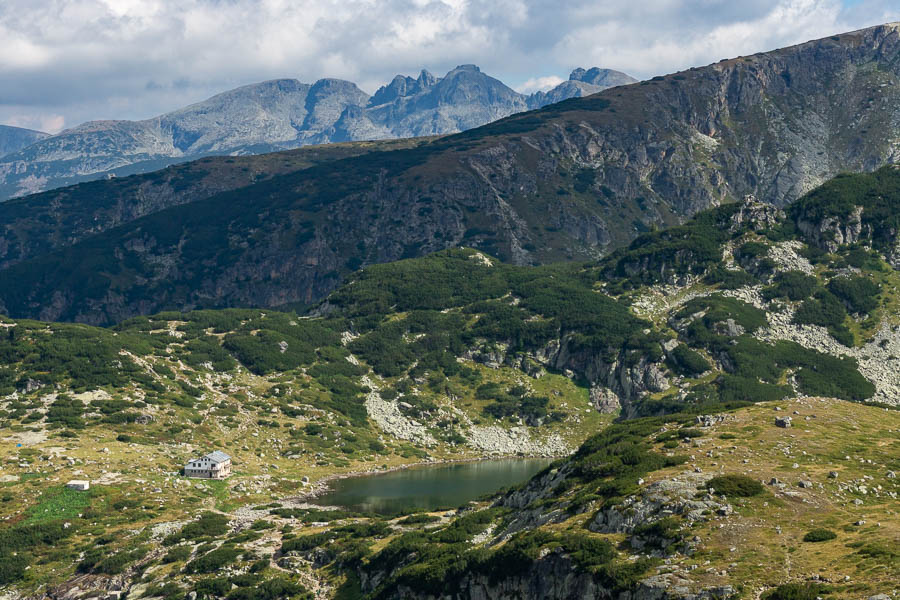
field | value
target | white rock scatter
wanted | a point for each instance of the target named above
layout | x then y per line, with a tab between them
489	439
389	418
878	359
787	258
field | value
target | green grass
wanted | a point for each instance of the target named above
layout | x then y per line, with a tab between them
59	503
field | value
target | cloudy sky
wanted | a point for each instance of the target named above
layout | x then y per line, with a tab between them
67	61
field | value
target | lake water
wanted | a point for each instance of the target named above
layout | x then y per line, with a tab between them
429	487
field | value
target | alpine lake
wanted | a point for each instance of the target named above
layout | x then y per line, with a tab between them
429	487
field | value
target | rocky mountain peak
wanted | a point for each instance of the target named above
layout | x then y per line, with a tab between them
328	85
399	87
426	79
601	77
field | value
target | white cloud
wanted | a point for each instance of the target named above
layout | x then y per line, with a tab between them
87	59
539	84
42	122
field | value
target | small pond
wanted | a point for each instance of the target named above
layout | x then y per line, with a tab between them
429	487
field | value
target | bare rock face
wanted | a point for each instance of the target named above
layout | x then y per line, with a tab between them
755	214
604	400
832	232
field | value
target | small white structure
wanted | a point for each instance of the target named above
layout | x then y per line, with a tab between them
79	484
215	465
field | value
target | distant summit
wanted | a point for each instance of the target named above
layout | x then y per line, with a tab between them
601	77
582	83
274	115
16	138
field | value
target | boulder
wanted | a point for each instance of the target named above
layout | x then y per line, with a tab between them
604	400
784	422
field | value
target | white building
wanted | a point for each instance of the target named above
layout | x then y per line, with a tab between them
215	465
79	484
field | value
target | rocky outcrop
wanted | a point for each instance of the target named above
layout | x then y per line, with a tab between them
554	576
581	83
831	232
604	400
755	215
616	379
675	496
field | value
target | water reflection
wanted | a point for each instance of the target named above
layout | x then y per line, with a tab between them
429	487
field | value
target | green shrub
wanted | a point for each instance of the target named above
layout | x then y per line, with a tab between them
793	285
212	587
875	192
117	563
685	361
22	538
750	250
739	486
468	525
662	533
208	525
12	567
422	519
797	591
213	561
270	589
819	535
823	309
719	309
98	560
177	554
308	542
859	293
729	279
880	551
310	515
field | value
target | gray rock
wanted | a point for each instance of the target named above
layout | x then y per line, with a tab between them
784	422
604	400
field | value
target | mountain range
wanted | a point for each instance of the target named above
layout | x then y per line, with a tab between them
274	115
571	181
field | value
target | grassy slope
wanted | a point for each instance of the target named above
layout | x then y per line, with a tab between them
760	545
